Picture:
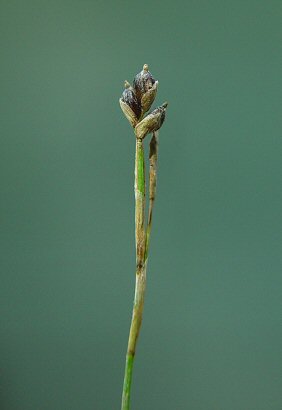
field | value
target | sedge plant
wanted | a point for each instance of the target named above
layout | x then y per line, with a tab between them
135	102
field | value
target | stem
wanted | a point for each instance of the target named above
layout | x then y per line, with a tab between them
140	284
139	188
136	321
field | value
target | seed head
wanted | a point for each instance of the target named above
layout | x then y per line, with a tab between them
130	105
129	97
145	87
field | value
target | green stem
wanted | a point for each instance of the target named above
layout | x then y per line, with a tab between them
136	321
139	188
140	283
127	382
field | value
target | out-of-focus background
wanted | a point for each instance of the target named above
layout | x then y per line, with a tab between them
211	336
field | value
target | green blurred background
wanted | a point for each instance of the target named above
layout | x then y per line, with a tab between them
211	336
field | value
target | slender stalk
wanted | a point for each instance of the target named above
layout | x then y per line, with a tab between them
135	102
136	321
140	283
139	189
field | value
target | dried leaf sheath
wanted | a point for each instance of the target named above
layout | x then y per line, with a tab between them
153	158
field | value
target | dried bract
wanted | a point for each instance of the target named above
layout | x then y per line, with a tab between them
148	98
152	122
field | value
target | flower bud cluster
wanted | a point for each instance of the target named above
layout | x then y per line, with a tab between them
137	100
